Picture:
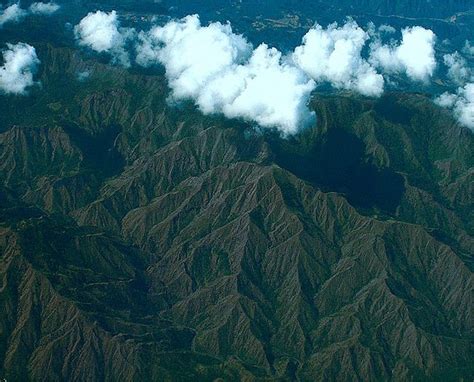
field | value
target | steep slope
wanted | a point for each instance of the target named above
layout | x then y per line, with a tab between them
74	307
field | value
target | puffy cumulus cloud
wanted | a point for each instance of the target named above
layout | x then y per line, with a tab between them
462	103
13	13
43	8
265	89
83	75
20	64
101	32
192	54
446	100
221	72
334	55
384	28
414	55
458	71
468	48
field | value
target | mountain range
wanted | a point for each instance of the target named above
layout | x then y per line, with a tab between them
141	241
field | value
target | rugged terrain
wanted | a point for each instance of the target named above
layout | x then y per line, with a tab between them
141	241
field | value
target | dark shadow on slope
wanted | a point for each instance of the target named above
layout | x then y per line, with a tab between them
393	111
99	151
336	162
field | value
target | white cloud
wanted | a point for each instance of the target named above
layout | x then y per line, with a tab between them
334	55
20	64
446	100
222	74
101	32
384	28
13	13
468	48
464	107
414	55
462	103
265	89
458	71
43	8
192	54
83	75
